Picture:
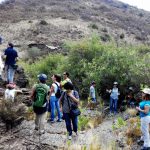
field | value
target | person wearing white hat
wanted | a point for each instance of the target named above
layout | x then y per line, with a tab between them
144	109
114	98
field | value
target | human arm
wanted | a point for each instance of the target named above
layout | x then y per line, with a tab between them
74	98
32	93
145	110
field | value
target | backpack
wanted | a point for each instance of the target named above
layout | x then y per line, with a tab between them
59	91
40	96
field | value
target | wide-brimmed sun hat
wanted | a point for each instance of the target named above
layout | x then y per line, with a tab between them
146	91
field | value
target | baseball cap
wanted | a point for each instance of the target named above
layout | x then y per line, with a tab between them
42	77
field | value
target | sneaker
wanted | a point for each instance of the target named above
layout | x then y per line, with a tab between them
36	128
69	137
50	120
59	120
41	132
140	142
76	133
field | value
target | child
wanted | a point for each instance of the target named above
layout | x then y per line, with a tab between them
11	92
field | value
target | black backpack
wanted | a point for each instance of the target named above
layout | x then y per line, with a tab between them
59	91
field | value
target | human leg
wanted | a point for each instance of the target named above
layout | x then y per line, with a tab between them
145	121
11	73
58	109
75	123
68	123
52	103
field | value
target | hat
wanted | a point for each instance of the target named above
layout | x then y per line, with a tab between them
146	91
115	83
42	77
11	85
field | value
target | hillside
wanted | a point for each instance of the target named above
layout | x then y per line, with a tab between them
53	21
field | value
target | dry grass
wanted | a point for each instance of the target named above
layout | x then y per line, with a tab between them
132	112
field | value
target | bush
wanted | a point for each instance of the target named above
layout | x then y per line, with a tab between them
43	22
89	60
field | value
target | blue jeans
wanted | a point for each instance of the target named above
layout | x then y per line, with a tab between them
54	103
10	73
68	119
113	105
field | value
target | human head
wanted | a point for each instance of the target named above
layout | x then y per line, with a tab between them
56	77
68	86
42	78
115	84
66	75
93	83
11	86
146	94
11	45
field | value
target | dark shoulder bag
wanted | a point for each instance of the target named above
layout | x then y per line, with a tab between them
74	111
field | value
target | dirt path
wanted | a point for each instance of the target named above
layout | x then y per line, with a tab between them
25	137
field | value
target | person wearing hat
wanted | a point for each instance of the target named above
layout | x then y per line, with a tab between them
39	96
11	92
114	93
92	92
144	109
10	56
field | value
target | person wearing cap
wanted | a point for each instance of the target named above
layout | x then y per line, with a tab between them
92	92
40	108
144	109
10	56
114	93
66	79
69	98
11	92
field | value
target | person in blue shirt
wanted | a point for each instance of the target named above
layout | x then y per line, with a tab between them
10	56
144	109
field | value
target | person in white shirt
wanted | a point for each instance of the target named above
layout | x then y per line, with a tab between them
11	92
114	94
54	102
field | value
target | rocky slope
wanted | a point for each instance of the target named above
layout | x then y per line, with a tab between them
53	21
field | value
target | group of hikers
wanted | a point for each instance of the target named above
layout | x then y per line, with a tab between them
62	96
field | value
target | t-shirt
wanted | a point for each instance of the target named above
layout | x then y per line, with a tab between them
65	106
114	93
10	94
55	88
92	92
11	55
142	105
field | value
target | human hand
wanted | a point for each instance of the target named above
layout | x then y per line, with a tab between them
138	108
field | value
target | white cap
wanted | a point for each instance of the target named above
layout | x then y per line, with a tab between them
146	91
115	83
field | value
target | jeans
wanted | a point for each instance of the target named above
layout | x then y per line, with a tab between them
9	73
68	118
145	121
113	105
93	100
54	103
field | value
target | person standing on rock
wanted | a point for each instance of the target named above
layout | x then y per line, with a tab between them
68	99
114	96
66	79
55	93
92	92
144	109
39	96
10	56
